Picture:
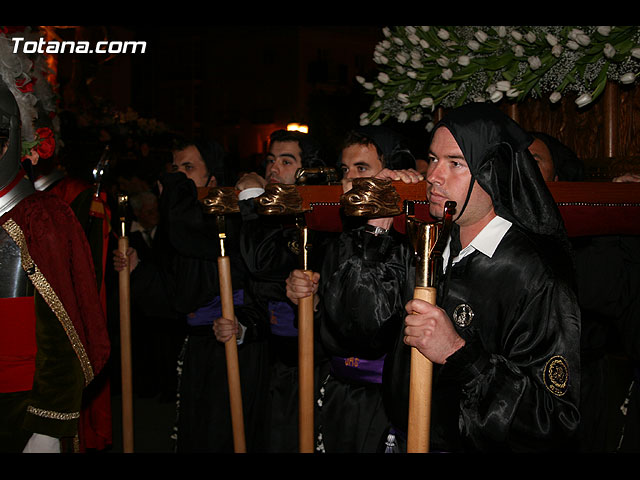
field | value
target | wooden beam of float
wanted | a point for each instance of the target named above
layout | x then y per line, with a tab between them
588	208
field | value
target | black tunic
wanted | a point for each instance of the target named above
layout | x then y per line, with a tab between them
515	385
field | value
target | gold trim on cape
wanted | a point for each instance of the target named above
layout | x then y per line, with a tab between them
47	292
53	415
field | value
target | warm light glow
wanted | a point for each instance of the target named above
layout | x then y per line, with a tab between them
296	127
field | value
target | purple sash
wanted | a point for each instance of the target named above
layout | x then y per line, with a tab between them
212	310
281	317
360	369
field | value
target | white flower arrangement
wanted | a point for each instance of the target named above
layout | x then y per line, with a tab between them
424	67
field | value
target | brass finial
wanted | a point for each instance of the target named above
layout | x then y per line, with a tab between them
371	197
279	199
220	201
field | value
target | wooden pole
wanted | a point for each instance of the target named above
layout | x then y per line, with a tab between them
125	350
231	354
305	373
420	383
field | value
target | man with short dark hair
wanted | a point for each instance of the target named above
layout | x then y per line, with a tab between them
353	331
269	248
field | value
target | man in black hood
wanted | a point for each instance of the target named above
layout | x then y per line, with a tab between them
504	338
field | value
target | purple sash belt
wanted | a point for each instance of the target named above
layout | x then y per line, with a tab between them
212	310
359	369
281	317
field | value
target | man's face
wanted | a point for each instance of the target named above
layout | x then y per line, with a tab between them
542	155
190	162
448	178
283	160
360	161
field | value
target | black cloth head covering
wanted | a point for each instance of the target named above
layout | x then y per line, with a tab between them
566	164
396	155
496	150
215	158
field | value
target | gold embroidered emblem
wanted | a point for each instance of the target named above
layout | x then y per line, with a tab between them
294	246
463	315
556	375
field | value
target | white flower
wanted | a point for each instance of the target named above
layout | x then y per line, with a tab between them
556	51
464	60
443	34
530	37
386	44
481	36
517	36
360	79
442	61
609	50
424	44
503	85
412	74
425	28
534	62
416	117
502	31
426	102
386	31
413	38
429	126
496	96
555	97
604	31
400	69
398	41
402	117
473	45
572	45
551	39
635	52
518	50
513	92
401	58
403	97
447	74
628	77
417	64
363	121
380	92
584	99
368	85
583	39
383	77
379	58
410	29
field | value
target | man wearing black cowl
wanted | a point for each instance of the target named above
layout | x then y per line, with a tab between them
504	337
184	280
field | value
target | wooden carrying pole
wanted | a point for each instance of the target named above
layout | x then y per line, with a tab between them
305	357
428	240
221	201
125	333
283	199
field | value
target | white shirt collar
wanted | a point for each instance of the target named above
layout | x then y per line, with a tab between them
486	241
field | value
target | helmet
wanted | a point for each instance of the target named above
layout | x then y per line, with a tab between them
13	185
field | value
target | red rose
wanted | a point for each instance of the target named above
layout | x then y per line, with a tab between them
47	144
24	86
